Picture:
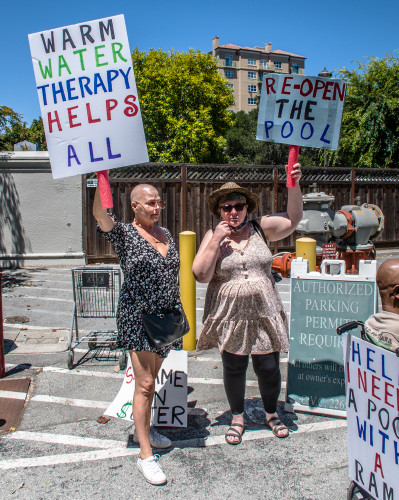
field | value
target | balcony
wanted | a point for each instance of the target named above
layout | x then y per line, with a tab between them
228	64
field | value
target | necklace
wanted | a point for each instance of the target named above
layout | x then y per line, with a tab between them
149	230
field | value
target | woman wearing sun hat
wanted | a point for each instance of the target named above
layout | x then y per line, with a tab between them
243	312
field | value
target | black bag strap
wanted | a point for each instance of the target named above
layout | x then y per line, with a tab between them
258	229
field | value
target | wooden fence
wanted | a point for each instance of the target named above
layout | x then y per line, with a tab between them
186	187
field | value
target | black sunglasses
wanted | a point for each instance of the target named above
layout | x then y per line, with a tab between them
228	208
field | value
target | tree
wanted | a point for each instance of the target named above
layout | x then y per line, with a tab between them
370	124
13	130
184	103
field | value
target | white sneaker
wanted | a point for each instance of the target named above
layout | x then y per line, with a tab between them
152	470
156	439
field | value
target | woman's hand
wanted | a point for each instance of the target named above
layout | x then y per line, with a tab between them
296	171
222	231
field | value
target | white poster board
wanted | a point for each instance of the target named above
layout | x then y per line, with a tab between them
88	97
169	407
301	110
372	400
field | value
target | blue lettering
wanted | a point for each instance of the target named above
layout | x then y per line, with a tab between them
43	87
92	159
110	155
126	77
370	360
311	130
383	368
70	89
323	135
362	431
72	154
356	350
268	126
110	78
98	82
59	91
290	132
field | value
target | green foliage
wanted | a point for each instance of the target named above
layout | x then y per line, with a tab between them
370	125
184	103
243	148
13	130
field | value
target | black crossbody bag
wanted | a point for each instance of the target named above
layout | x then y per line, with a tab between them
164	328
259	230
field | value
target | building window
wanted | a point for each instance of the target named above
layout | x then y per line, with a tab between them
263	63
295	68
251	100
228	60
277	64
251	88
228	73
251	62
252	74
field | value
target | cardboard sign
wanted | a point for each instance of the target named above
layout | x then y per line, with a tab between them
372	400
319	304
88	97
170	400
301	110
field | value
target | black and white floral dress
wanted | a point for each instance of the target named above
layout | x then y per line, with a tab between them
150	285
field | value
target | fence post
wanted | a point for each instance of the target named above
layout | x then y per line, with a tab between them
352	202
275	194
184	197
2	361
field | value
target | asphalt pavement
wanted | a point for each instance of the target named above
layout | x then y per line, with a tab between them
61	451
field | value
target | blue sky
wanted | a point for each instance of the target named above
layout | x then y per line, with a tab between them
329	34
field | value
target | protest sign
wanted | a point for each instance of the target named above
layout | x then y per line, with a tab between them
319	304
372	400
170	400
88	97
301	110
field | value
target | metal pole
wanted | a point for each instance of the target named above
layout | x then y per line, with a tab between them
184	197
2	361
353	186
188	286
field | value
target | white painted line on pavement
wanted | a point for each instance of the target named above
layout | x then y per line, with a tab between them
39	298
85	456
45	437
51	460
82	403
84	373
12	395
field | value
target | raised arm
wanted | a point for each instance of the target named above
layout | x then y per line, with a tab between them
104	220
279	226
205	261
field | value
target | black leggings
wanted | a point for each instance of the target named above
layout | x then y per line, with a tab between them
267	369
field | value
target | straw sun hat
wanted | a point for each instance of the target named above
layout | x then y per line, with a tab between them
231	187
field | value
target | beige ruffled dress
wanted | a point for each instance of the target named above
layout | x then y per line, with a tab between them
243	311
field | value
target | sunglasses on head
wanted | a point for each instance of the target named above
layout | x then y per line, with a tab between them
228	208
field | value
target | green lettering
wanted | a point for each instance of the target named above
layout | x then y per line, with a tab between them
80	52
116	51
98	55
62	64
47	70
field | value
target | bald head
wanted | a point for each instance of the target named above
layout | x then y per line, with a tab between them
143	190
388	285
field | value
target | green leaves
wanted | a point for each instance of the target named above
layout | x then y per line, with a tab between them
370	125
184	103
13	130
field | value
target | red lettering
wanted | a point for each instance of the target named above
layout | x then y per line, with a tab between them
129	375
53	120
89	116
374	386
71	117
339	91
361	379
387	394
270	85
110	104
378	464
310	87
327	90
286	84
319	85
131	110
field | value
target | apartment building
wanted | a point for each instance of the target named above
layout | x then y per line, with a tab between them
245	68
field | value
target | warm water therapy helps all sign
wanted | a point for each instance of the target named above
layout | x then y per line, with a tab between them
88	97
301	110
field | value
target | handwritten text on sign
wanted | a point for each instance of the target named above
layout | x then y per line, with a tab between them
372	399
88	97
301	110
169	406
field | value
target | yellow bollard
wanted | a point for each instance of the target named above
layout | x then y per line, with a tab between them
187	286
306	248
